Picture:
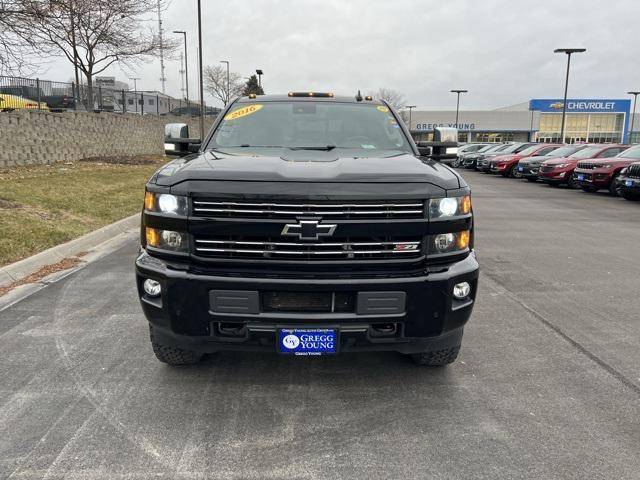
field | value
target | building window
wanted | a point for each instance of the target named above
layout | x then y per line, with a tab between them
581	127
152	101
130	101
496	137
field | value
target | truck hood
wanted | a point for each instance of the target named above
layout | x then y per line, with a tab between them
305	166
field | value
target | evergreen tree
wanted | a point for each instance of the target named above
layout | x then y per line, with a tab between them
252	87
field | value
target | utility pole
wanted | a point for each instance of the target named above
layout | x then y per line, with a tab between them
200	71
135	90
458	92
228	87
633	115
410	107
568	51
186	64
163	78
260	73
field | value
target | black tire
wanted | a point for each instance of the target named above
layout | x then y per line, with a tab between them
614	189
532	179
438	358
571	183
513	173
588	188
172	355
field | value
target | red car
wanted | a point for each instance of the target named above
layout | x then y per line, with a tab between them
507	165
595	174
557	171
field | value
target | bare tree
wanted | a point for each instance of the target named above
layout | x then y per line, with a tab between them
15	43
391	96
92	34
215	81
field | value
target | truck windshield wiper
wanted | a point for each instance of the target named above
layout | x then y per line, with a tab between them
326	148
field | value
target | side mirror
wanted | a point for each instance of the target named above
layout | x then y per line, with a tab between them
425	150
177	141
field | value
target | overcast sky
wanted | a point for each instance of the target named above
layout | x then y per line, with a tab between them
500	50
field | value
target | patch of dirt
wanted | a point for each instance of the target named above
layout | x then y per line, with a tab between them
126	159
65	264
8	205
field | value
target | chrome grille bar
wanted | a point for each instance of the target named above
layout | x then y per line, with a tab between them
334	210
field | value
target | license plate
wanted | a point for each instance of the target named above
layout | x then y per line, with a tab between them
628	183
307	341
521	169
580	178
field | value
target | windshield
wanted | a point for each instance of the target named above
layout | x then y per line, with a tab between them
588	152
529	151
561	152
512	148
631	153
311	125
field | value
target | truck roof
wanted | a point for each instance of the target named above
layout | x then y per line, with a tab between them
307	97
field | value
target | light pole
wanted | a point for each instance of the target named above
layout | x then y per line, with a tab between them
260	73
200	71
135	90
568	51
186	65
633	115
228	87
458	92
410	107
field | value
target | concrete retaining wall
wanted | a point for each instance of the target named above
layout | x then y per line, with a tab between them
33	137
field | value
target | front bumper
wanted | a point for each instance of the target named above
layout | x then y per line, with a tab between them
183	315
528	171
592	178
555	176
629	185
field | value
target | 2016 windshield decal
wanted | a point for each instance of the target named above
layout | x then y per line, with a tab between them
243	112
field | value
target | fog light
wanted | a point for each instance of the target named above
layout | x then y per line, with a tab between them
151	287
461	290
444	241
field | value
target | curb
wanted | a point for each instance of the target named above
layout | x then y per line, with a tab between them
22	268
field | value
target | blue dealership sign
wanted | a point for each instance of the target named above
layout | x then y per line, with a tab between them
581	105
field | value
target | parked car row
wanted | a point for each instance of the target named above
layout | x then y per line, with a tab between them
591	167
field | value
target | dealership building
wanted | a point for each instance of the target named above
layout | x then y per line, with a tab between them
588	120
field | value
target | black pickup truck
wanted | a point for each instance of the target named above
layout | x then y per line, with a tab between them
307	224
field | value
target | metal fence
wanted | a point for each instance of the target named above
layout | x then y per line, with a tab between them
34	93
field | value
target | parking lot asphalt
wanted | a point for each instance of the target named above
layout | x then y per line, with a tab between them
547	384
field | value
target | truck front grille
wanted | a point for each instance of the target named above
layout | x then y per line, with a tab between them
361	210
633	171
547	168
345	249
588	165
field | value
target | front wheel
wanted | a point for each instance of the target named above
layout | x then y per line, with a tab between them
172	355
614	188
514	173
438	358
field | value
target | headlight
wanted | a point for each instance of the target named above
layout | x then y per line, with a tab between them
606	165
451	150
166	240
449	242
624	171
166	203
449	207
561	165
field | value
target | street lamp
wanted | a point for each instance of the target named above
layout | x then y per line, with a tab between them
410	107
228	88
186	65
568	51
633	115
200	71
458	92
135	90
260	73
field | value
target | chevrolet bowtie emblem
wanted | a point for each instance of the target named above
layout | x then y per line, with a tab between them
308	229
